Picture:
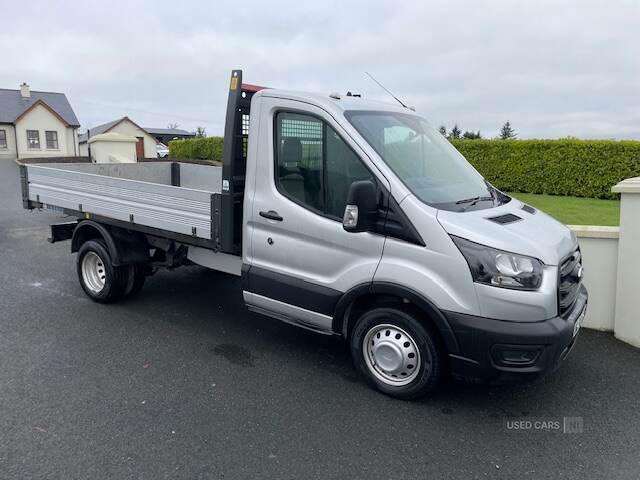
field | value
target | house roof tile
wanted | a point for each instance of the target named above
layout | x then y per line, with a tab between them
13	105
97	130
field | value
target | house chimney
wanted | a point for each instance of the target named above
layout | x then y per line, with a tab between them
25	90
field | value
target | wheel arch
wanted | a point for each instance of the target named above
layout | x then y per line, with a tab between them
360	297
124	247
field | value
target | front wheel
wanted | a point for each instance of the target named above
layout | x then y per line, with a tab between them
396	353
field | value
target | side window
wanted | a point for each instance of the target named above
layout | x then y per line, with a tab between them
299	142
342	168
314	166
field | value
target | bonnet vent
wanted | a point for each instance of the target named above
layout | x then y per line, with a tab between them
528	209
505	219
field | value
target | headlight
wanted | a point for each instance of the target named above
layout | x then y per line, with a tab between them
498	268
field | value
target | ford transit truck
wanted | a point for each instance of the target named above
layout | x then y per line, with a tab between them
344	216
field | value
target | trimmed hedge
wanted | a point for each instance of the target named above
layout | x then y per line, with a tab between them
579	168
208	148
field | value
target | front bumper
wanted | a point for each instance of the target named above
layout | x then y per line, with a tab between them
498	351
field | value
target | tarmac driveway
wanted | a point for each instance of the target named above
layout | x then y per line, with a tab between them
183	382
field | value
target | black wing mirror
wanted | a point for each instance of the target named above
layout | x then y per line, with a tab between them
361	211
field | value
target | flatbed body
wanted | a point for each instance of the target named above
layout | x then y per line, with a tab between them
168	196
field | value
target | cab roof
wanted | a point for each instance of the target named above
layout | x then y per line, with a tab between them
335	105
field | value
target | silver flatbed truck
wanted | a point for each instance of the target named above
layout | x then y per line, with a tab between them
345	216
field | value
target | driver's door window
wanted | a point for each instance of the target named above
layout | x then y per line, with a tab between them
314	166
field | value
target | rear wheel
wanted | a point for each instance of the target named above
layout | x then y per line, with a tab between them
396	353
137	277
100	280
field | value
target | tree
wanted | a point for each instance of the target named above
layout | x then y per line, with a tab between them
470	135
443	130
455	132
173	126
506	132
201	132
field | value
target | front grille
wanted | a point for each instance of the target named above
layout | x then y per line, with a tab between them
570	279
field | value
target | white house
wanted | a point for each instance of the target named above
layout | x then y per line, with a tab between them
146	143
36	124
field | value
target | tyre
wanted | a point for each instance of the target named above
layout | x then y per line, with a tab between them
396	353
136	277
100	280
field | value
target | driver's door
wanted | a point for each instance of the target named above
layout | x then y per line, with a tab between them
301	258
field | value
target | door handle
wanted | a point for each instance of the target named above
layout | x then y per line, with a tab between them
271	215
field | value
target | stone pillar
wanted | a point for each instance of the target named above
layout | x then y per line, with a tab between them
627	311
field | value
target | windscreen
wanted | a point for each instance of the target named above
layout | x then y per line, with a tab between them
424	160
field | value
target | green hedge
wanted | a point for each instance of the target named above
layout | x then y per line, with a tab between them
209	148
580	168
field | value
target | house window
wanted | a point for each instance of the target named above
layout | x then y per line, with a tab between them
3	139
52	139
33	139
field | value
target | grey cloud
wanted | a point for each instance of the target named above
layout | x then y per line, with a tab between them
552	68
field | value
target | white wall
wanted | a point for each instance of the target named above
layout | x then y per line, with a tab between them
611	260
72	141
41	119
127	128
84	149
599	247
10	151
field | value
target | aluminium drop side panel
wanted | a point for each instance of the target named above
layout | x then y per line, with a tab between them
153	172
200	177
175	209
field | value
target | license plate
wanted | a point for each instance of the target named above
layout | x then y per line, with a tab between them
578	324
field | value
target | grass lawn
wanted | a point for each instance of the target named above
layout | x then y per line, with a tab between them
575	210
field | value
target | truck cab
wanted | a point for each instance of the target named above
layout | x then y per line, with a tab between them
347	217
438	266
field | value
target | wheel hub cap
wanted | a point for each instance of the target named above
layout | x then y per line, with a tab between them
388	357
391	354
93	272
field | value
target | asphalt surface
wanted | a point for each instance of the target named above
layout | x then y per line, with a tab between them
183	382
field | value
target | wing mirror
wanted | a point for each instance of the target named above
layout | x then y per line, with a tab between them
361	211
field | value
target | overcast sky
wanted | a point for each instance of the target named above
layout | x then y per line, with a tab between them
553	68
